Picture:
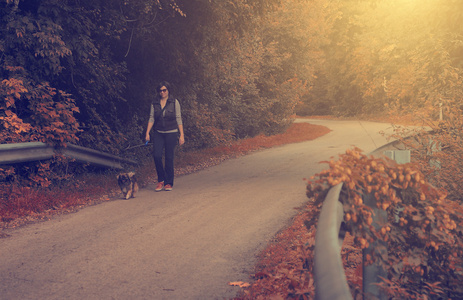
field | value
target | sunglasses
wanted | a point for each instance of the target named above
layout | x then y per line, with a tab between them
163	90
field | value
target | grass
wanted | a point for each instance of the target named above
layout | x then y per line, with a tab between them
26	205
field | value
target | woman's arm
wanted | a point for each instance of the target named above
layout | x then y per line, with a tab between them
148	129
178	112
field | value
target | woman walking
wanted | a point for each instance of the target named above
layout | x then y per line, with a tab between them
166	118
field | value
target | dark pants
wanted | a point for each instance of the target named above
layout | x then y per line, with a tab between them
165	143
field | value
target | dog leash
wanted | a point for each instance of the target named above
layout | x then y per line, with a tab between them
141	145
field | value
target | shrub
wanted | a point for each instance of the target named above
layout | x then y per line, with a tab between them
438	151
422	232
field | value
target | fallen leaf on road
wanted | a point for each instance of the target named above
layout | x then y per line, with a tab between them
239	283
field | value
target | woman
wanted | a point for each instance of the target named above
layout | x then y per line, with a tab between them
166	118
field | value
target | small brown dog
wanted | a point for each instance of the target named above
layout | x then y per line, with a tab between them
128	184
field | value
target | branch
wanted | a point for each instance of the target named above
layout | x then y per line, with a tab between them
130	43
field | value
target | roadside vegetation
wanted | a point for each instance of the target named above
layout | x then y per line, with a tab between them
84	72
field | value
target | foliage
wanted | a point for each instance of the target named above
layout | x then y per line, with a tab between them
85	72
393	56
238	67
285	269
422	233
31	108
437	149
230	68
60	80
19	204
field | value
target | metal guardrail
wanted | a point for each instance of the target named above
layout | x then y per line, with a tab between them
33	151
330	278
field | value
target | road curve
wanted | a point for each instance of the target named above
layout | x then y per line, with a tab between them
184	244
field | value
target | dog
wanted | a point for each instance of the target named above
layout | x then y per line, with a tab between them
128	184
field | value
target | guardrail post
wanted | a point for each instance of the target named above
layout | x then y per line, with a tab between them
400	156
372	273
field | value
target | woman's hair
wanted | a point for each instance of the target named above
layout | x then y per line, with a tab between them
161	84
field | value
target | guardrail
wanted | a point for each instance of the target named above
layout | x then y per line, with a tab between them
33	151
330	278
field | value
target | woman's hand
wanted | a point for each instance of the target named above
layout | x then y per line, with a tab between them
148	129
181	138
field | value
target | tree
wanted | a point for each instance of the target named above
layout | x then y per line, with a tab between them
227	72
61	81
31	107
401	56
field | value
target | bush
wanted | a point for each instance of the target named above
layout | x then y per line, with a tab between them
438	152
422	232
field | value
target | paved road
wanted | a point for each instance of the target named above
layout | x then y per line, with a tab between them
184	244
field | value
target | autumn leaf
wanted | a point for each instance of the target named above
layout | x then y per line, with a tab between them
241	284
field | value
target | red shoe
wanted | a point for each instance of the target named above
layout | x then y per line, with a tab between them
168	187
159	186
